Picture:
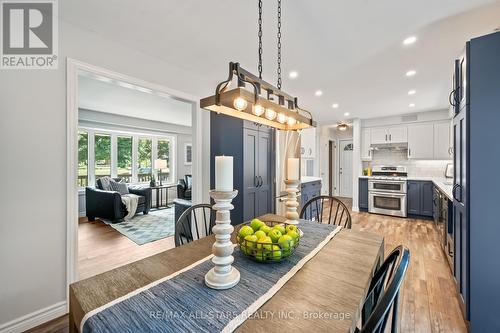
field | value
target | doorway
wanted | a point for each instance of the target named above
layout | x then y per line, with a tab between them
345	168
123	144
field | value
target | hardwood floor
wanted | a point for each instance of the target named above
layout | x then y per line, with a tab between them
102	248
428	301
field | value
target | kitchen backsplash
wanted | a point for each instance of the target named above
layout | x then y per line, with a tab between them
416	168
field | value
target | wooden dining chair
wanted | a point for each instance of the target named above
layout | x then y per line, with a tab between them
196	222
383	293
326	209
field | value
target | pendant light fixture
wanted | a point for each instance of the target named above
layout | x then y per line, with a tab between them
255	99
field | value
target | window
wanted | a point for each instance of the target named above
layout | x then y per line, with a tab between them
83	158
144	158
163	149
124	155
124	158
102	155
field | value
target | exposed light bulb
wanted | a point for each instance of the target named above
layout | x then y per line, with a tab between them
410	40
411	73
270	114
258	110
281	118
291	121
240	104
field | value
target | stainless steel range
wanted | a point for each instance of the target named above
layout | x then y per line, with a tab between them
387	190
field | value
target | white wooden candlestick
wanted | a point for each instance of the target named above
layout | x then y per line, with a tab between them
223	275
292	217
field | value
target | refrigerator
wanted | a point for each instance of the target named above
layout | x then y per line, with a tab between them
287	146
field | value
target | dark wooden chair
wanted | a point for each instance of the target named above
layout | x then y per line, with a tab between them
383	293
187	228
326	209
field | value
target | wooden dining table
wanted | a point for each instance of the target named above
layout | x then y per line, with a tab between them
325	295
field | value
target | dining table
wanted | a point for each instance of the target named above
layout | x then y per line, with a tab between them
325	295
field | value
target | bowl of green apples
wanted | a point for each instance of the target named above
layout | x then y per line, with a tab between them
268	242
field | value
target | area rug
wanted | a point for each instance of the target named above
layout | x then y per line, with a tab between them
142	229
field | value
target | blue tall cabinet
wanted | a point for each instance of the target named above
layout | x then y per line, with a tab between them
253	150
476	136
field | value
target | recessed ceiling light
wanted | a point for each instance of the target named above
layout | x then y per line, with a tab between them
411	73
410	40
335	105
346	114
412	92
411	105
318	93
293	74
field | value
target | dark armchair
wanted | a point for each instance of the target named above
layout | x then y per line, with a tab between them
184	187
108	204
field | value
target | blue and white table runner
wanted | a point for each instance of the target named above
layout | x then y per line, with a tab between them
181	302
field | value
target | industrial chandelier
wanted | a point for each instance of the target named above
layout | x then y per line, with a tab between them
263	103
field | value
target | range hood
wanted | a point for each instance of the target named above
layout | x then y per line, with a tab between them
390	146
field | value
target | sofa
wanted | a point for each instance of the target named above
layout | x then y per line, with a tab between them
184	187
104	203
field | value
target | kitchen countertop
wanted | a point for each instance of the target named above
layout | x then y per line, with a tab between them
439	182
307	179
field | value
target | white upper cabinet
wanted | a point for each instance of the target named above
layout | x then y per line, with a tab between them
366	152
308	143
442	146
398	134
382	135
378	135
421	141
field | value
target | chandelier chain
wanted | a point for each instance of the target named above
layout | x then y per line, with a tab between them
279	45
260	39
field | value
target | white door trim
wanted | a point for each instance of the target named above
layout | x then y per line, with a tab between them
73	67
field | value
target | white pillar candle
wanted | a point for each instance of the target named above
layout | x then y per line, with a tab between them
223	173
293	171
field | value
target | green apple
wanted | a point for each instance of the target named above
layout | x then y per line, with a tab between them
275	234
275	253
260	255
248	245
264	243
246	231
260	234
285	242
256	224
281	228
265	228
293	234
290	227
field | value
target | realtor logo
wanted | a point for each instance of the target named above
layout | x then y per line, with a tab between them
29	34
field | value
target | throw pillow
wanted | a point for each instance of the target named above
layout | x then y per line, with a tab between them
106	183
121	188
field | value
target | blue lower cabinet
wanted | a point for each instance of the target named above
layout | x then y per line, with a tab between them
363	194
419	198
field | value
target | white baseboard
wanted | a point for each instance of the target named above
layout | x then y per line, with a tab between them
355	209
34	319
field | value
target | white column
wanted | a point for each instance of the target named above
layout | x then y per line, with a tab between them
356	162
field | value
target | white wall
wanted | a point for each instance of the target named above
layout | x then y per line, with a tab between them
356	162
33	150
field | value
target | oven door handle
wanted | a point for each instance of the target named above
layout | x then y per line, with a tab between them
391	195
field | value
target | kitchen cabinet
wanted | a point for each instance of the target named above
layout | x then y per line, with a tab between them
366	150
252	146
442	145
363	194
419	198
393	134
475	190
421	141
308	143
398	134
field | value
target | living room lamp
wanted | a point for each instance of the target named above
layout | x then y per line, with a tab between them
160	164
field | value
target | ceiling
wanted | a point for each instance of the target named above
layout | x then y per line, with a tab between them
105	95
350	50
